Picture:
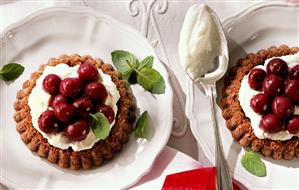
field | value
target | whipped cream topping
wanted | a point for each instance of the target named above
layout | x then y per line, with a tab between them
199	41
38	103
246	93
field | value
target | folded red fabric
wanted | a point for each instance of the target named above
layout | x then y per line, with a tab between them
199	179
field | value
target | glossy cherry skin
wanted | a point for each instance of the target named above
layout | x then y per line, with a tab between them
78	130
277	67
273	85
87	72
283	107
294	73
51	84
107	111
96	91
83	106
292	89
58	99
270	123
48	123
293	125
256	78
260	103
70	87
64	112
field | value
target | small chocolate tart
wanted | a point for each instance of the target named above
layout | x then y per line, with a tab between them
237	122
103	150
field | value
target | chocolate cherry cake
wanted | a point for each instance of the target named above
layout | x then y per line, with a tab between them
53	111
260	102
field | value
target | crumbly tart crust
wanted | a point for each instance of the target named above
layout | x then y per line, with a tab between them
103	149
238	124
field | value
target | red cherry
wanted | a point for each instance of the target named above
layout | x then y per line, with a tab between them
292	89
270	123
283	107
70	87
58	99
260	103
256	78
78	130
107	111
87	72
96	91
293	125
51	84
273	85
277	67
48	123
64	112
294	73
83	106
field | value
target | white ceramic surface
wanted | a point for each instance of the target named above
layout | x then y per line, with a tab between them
258	27
170	161
49	33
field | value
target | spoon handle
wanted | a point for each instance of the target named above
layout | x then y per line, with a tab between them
224	180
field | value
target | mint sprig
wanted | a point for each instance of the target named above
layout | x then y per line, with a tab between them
138	72
141	125
11	71
253	164
100	125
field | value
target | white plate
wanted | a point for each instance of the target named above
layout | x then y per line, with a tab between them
49	33
258	27
170	161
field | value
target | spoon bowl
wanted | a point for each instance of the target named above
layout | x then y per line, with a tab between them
222	59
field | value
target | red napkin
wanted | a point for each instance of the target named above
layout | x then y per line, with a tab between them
203	179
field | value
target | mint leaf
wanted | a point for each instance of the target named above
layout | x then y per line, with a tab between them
11	71
151	80
141	125
146	63
100	125
253	164
125	62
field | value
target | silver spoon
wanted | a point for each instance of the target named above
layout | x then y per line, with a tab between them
208	82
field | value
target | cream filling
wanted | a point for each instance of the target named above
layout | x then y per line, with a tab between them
38	103
199	41
246	93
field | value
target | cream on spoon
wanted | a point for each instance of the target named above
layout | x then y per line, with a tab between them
199	41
